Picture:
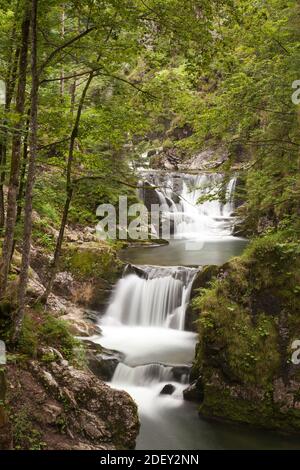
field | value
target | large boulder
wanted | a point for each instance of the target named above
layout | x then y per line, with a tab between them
248	321
194	392
64	408
87	274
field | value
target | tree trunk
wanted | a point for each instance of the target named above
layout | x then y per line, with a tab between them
21	194
62	72
69	193
10	87
15	157
23	279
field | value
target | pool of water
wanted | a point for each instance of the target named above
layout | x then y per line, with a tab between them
186	252
167	421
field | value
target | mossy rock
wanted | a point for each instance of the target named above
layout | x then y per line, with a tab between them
201	281
248	316
91	261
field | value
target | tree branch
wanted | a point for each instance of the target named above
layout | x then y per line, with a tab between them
63	46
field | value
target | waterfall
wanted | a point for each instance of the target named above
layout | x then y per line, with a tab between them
147	312
146	317
143	375
158	298
182	199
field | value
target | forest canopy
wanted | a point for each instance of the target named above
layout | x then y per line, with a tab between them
93	85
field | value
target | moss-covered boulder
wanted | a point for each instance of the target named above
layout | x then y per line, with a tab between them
201	281
87	273
248	319
91	261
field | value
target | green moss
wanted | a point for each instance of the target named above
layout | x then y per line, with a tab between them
221	404
26	436
247	320
92	261
29	338
50	331
56	333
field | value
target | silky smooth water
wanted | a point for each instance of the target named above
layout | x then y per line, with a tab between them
186	252
146	317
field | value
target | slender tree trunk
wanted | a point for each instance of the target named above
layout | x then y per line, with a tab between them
23	279
15	157
10	87
73	96
69	193
62	73
21	194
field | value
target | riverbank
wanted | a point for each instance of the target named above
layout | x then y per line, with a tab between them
52	398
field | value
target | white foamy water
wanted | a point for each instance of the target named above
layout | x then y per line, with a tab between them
146	317
194	218
158	299
142	345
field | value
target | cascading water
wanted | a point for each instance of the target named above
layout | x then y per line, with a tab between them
145	320
143	375
201	222
180	198
159	298
146	317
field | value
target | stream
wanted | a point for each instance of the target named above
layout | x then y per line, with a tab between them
145	319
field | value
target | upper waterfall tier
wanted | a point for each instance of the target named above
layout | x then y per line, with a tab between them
192	203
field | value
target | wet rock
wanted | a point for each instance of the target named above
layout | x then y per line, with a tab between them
102	366
195	392
181	373
79	325
91	315
103	362
131	269
168	389
149	195
202	280
205	160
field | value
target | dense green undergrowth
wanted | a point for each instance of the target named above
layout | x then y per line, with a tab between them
43	336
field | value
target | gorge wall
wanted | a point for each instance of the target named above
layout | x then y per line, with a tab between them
248	318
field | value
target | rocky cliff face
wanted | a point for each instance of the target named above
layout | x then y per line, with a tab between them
174	159
46	401
55	406
248	320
